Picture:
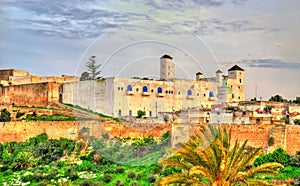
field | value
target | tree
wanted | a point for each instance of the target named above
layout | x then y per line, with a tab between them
216	163
23	160
140	113
297	121
92	69
5	115
85	76
277	98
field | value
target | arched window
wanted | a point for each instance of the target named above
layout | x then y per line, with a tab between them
129	88
189	92
150	113
119	112
211	94
232	95
145	89
159	90
130	113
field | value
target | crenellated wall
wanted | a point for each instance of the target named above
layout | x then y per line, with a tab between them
285	136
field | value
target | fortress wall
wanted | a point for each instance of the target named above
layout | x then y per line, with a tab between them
292	142
257	135
38	94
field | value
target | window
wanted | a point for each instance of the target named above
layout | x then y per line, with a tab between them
121	88
204	95
129	88
240	80
239	87
159	90
167	92
118	88
130	113
137	89
211	94
178	92
150	113
145	89
189	92
119	112
197	94
239	97
232	95
151	90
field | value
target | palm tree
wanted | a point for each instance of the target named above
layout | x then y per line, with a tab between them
208	158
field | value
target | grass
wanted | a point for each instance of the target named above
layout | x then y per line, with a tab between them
92	112
41	108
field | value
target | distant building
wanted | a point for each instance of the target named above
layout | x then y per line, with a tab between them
123	97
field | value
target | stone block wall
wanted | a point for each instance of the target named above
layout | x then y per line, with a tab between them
285	136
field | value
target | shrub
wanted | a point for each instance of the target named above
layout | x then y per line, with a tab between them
20	114
5	115
138	176
118	183
166	118
151	178
71	173
140	113
27	176
131	175
52	173
297	121
38	175
279	156
120	170
135	183
295	160
89	183
107	178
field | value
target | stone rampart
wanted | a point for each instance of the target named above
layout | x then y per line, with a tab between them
285	136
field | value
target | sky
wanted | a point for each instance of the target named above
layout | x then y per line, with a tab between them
128	37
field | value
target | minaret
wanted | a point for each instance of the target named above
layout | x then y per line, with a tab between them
219	77
166	68
199	76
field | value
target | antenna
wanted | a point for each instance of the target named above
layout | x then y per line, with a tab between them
256	91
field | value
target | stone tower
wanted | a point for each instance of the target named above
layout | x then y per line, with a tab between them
236	77
219	77
166	68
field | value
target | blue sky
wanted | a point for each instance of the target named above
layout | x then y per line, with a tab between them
56	37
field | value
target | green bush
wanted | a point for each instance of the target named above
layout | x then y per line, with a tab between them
295	160
38	175
131	175
135	183
138	176
107	178
4	115
151	178
297	121
26	177
20	114
118	183
53	172
71	173
279	156
89	183
140	113
120	169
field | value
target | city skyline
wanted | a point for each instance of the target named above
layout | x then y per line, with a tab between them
54	38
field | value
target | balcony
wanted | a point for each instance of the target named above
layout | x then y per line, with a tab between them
211	98
146	93
128	92
160	94
190	97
